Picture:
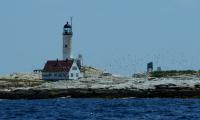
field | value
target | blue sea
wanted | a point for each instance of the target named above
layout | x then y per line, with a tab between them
100	109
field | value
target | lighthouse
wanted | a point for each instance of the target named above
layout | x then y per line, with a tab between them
68	68
67	41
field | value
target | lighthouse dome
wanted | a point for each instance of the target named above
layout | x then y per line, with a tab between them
67	25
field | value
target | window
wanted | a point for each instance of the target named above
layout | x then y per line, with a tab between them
60	75
76	74
65	45
64	75
71	74
45	75
55	75
74	68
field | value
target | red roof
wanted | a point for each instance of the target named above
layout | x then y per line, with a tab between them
58	66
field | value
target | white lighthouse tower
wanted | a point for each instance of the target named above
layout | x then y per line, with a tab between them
67	41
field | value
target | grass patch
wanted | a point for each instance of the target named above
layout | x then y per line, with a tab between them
171	73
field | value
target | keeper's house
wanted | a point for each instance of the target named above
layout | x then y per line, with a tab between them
61	70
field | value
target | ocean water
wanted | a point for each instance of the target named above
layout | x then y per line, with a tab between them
100	109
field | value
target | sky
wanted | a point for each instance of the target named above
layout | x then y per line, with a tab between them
118	36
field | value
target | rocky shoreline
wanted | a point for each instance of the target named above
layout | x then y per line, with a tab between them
28	86
100	93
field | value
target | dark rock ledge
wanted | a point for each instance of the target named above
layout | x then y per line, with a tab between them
159	92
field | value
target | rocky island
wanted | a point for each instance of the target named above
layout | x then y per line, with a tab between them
96	84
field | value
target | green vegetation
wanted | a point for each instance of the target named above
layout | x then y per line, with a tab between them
171	73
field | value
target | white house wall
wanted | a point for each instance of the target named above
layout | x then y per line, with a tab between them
75	72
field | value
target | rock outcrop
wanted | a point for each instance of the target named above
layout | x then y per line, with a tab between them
30	87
